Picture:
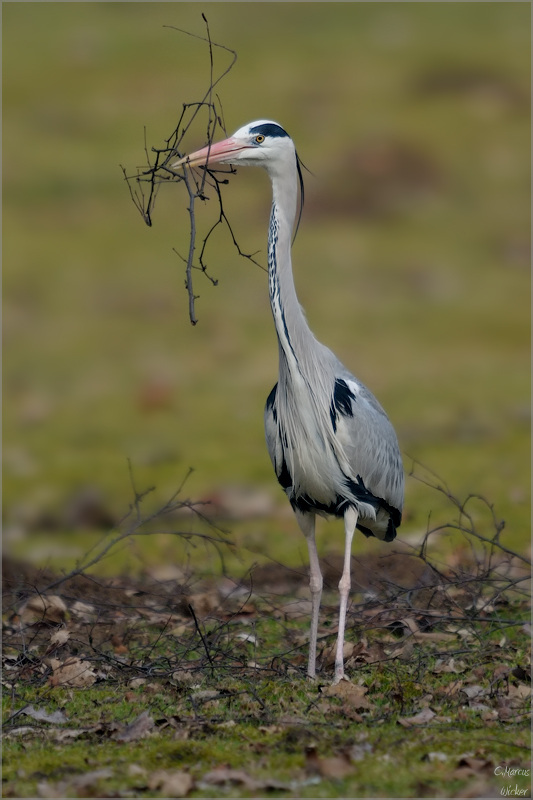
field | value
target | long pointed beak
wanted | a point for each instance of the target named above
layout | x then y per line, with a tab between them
213	153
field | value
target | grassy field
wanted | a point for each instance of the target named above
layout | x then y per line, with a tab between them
412	263
415	271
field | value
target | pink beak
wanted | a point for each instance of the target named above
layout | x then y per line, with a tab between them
212	153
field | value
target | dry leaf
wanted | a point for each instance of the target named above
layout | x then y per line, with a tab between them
185	677
39	714
203	603
136	682
403	650
363	654
60	637
270	729
205	694
422	718
136	771
469	766
72	672
76	786
518	695
435	757
43	608
358	752
247	637
138	729
171	783
450	666
474	691
327	656
222	775
82	610
513	719
333	767
68	733
350	693
451	688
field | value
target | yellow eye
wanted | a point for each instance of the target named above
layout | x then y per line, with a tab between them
259	138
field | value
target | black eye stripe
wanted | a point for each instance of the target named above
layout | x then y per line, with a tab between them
269	129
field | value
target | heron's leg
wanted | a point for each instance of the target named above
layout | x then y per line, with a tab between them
350	521
307	526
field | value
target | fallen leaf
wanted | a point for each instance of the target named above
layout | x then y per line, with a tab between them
474	706
247	637
435	756
60	637
450	666
82	610
333	767
138	729
205	694
72	672
43	608
171	783
327	656
185	677
270	729
136	771
203	603
362	653
474	691
518	695
501	671
350	693
221	775
39	714
74	785
469	765
403	650
451	688
422	718
64	734
358	752
513	719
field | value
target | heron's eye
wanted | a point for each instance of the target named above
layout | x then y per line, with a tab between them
259	139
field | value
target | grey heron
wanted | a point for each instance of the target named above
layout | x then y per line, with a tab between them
333	448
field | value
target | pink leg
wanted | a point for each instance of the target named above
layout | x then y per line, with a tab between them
307	526
350	521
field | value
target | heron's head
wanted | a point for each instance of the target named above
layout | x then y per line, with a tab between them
262	143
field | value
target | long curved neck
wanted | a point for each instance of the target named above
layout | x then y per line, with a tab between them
290	322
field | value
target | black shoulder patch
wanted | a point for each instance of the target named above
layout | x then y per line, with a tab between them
341	402
284	477
269	129
271	402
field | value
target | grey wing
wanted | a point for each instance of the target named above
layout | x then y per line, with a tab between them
368	440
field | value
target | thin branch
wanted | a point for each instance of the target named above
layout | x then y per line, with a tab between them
198	185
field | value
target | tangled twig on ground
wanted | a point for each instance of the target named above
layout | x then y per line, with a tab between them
410	606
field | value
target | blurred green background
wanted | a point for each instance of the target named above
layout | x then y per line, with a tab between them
412	259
